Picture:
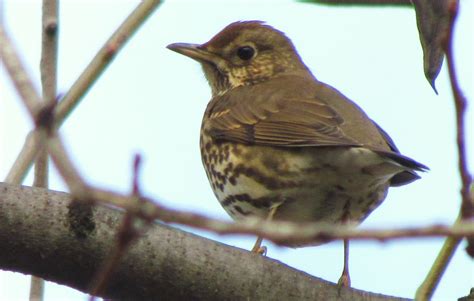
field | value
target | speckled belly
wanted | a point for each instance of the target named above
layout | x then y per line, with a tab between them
310	184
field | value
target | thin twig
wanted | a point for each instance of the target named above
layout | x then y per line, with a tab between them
40	180
32	101
18	74
95	68
49	51
48	69
130	230
278	232
23	162
467	207
66	168
103	58
41	170
36	289
290	233
427	288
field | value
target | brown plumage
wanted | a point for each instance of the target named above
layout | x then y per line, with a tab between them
275	139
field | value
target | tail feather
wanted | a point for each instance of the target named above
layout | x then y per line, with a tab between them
409	174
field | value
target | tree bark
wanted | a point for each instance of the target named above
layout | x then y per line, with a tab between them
47	234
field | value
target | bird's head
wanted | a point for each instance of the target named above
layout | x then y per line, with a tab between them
243	53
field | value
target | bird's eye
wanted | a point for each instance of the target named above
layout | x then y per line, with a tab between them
245	52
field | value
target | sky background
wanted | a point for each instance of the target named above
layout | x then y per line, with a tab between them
151	101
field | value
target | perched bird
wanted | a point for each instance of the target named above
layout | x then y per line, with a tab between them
276	143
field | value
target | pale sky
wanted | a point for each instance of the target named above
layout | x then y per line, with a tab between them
151	100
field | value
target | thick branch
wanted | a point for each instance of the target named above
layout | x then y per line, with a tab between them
46	234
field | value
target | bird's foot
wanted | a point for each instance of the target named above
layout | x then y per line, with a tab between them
344	280
258	248
262	250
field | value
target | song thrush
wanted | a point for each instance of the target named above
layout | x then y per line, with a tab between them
276	142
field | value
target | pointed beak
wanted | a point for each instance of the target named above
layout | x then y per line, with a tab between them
194	51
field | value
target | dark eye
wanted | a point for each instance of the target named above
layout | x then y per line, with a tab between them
245	52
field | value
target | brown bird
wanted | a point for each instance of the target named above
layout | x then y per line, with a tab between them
279	144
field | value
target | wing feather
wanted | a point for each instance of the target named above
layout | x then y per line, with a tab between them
274	119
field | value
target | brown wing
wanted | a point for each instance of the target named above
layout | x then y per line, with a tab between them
258	115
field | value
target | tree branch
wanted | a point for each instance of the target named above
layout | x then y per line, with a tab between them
48	69
28	153
467	207
426	289
47	234
429	284
103	58
20	78
31	98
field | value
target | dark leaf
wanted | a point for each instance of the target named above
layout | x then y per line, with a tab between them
469	297
360	2
432	18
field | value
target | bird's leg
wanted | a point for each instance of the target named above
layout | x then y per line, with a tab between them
345	279
257	247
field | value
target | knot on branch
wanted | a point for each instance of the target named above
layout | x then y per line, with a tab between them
81	219
44	118
51	27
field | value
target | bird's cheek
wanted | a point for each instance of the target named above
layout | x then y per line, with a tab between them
222	66
237	76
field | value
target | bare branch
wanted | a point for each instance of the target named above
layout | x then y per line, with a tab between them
21	80
41	170
32	102
165	264
23	162
283	233
279	232
130	230
426	289
79	88
103	58
64	165
467	207
48	69
36	289
49	51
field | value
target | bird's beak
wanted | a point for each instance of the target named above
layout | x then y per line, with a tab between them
196	52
